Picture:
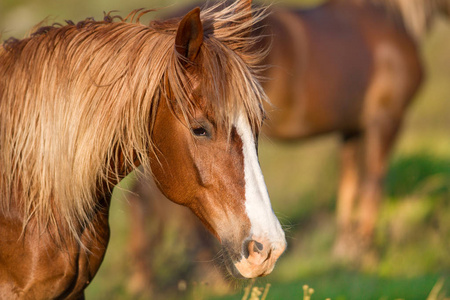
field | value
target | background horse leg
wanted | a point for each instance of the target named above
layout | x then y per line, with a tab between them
348	190
169	247
141	281
378	141
396	80
364	160
393	87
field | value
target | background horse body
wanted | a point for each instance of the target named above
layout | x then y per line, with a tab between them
351	67
82	105
345	66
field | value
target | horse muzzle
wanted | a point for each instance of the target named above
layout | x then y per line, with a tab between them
258	258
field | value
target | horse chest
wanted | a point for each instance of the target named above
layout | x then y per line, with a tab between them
34	266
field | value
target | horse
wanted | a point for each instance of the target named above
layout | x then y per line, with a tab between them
351	67
82	105
348	67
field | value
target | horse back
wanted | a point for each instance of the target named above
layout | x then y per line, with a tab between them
327	59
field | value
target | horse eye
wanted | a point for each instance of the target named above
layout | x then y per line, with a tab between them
200	131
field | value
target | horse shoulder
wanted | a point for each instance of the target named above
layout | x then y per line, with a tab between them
33	265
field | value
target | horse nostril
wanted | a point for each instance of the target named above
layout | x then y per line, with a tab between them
253	247
257	247
256	252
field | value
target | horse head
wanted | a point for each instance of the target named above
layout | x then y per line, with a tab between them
205	156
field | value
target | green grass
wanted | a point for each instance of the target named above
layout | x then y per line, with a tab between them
344	285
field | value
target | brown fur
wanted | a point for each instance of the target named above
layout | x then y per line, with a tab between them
82	105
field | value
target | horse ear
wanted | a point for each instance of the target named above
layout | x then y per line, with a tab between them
189	35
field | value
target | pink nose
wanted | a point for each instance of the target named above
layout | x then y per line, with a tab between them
260	258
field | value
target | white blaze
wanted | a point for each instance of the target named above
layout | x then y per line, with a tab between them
264	223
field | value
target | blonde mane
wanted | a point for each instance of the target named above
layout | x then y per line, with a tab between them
76	99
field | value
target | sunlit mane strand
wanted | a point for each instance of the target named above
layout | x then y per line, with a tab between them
76	98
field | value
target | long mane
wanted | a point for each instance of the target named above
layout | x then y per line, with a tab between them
74	97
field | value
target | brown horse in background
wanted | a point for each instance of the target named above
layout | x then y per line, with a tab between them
346	66
82	105
352	67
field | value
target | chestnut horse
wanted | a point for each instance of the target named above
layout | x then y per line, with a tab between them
346	66
352	67
82	105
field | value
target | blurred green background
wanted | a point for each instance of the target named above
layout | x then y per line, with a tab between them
412	235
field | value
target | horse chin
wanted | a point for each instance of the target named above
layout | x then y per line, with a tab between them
245	269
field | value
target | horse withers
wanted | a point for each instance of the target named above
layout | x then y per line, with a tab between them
82	105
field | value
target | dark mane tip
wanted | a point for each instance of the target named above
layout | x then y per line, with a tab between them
10	43
44	29
108	18
85	23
